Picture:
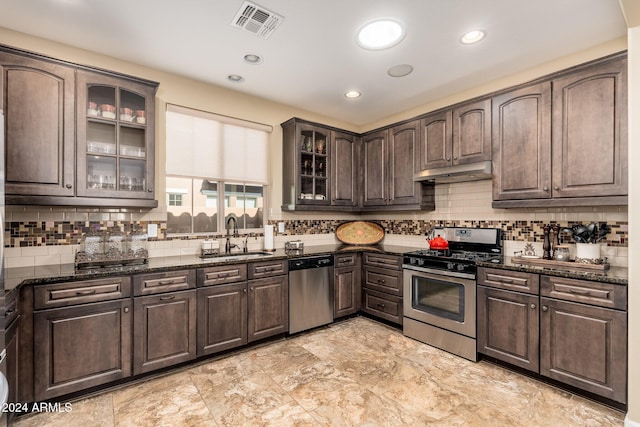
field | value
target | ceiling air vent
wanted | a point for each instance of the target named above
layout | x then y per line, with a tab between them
257	20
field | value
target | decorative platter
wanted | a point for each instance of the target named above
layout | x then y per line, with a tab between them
360	233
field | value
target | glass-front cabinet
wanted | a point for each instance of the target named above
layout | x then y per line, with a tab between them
314	146
115	137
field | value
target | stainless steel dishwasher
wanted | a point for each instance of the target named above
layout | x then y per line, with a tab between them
310	292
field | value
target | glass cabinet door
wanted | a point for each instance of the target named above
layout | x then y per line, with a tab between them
314	145
114	138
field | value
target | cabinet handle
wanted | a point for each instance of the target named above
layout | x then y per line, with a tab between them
69	186
448	159
545	308
533	306
380	280
556	188
545	188
88	292
455	157
580	291
10	311
149	190
126	309
167	297
166	282
244	290
380	305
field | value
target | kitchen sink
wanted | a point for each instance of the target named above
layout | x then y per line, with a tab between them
239	256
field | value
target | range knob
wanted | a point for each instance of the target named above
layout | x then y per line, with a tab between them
420	261
460	267
450	266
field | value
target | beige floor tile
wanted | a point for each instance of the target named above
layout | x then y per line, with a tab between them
96	411
169	401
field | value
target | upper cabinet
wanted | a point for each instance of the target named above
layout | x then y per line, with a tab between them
389	160
76	136
456	136
320	167
37	98
590	132
115	137
563	141
522	143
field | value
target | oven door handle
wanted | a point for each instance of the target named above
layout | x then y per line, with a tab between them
439	274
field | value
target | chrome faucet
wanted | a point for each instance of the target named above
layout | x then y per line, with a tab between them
228	246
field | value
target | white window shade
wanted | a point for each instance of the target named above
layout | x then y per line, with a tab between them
206	145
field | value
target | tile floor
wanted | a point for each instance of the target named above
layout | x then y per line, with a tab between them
354	373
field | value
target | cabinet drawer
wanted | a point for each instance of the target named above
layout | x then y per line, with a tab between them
381	260
86	291
509	280
268	268
155	283
345	260
594	293
383	280
223	274
382	305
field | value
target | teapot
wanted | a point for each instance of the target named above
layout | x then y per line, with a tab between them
438	243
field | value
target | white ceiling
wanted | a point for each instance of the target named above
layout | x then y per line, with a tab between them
312	58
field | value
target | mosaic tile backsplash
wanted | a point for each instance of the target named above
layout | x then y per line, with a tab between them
51	233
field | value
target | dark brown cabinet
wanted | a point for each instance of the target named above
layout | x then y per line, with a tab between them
320	167
222	308
164	328
522	143
307	166
508	327
590	132
382	286
563	141
573	331
38	99
164	331
82	346
75	135
347	285
345	163
115	123
12	342
268	299
389	160
457	136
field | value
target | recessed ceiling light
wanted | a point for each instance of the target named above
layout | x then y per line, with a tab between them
381	34
473	37
352	94
400	70
235	78
253	58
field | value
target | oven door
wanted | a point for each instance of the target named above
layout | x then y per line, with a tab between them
439	300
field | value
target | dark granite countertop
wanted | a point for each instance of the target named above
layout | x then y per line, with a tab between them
615	275
17	276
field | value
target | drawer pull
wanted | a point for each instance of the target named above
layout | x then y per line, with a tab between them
166	282
87	292
167	297
380	281
126	309
580	291
545	308
380	305
8	312
533	306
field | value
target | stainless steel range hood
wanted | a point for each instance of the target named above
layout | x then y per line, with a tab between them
458	173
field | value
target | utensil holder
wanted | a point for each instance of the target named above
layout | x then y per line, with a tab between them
588	253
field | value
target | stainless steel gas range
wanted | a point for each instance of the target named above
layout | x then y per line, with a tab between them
440	288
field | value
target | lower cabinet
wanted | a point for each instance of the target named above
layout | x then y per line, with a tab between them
347	286
268	307
585	347
164	330
508	326
82	346
222	317
573	331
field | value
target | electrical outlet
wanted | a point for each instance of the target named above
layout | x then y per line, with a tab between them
281	227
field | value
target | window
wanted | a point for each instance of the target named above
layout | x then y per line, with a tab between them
216	169
175	199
